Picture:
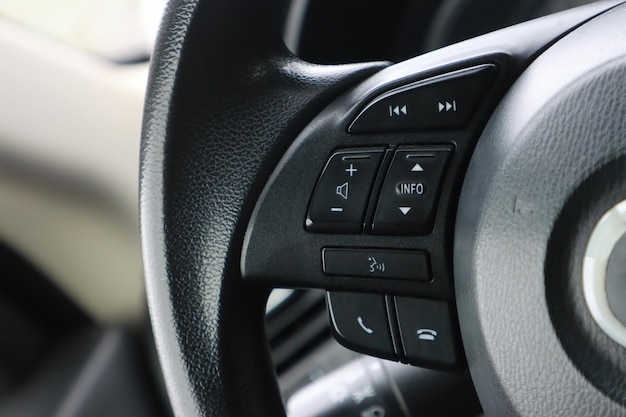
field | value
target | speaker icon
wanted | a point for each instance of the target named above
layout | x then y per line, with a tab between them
342	190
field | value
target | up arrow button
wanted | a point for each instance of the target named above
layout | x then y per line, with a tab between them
407	201
417	168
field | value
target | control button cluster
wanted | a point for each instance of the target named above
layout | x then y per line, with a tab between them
445	101
407	201
376	263
342	193
414	330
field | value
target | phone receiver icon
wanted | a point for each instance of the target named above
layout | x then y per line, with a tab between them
363	326
426	334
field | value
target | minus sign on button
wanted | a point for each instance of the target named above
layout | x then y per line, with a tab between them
336	209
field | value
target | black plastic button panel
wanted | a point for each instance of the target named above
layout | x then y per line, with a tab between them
359	322
446	101
407	201
342	193
408	198
426	331
376	263
414	330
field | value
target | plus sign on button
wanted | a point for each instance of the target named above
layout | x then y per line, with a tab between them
341	195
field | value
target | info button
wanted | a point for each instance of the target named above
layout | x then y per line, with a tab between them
377	263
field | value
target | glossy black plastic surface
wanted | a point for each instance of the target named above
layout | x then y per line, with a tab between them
375	263
445	101
343	191
429	332
359	322
408	200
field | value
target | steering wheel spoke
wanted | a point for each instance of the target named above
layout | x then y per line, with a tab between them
260	170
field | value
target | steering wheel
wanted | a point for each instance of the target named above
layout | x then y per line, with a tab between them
237	132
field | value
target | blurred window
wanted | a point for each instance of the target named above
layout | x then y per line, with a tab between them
116	30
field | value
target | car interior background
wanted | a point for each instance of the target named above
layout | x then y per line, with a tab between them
75	333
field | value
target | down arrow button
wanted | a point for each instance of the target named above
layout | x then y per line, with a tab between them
408	199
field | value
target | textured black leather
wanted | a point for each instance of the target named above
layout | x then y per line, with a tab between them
562	122
225	100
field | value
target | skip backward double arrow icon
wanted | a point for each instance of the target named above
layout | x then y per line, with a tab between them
397	110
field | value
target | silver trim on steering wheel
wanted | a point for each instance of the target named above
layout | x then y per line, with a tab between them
606	234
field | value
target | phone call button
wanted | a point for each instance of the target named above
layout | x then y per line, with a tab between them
359	322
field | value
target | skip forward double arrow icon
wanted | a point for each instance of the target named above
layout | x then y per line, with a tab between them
446	106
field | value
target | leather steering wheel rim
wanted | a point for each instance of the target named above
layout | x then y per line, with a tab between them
219	116
208	323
